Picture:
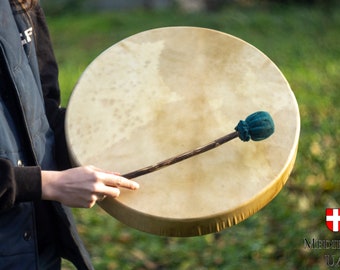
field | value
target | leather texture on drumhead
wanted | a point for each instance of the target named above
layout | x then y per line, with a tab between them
165	91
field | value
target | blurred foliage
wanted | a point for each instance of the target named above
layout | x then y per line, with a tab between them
61	6
304	42
74	6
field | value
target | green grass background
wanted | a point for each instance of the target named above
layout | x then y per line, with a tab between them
304	42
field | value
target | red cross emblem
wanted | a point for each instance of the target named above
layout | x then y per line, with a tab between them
333	219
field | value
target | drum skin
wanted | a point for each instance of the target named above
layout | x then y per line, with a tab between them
165	91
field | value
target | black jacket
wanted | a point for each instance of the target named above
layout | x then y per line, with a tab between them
31	138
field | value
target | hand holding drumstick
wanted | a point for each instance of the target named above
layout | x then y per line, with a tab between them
83	186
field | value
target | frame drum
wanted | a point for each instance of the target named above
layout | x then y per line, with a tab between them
165	91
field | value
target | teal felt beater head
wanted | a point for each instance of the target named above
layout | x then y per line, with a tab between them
257	126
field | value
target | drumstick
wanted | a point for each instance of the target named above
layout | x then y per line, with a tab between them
257	126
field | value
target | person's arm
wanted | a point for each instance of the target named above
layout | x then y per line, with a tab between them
18	184
76	187
83	186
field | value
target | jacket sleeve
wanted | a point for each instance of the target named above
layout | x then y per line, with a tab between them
18	184
49	80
